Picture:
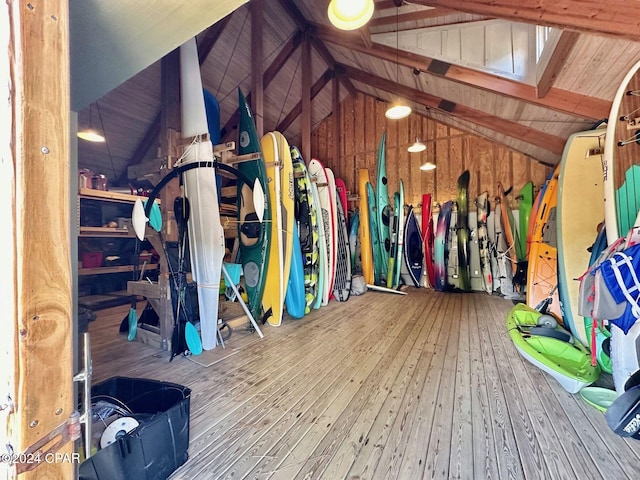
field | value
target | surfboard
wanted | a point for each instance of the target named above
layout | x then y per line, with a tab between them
400	238
366	249
483	206
441	246
307	219
393	231
382	204
379	268
333	198
342	282
254	235
462	232
323	265
341	192
580	210
354	243
453	277
621	153
287	190
206	235
295	297
273	297
475	272
525	206
319	175
413	248
427	237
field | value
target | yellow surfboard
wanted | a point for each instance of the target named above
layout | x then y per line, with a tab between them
273	298
364	232
287	203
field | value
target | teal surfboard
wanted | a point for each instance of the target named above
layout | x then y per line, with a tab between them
294	299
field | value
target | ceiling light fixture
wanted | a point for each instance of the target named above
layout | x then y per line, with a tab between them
417	147
428	166
398	109
91	134
350	14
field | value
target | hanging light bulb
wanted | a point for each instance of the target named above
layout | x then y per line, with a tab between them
417	147
350	14
91	134
398	109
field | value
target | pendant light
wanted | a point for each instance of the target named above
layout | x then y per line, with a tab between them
398	109
350	14
428	166
91	134
417	147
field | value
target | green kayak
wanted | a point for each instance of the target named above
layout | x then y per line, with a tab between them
566	361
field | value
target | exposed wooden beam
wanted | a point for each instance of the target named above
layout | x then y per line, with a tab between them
561	100
269	74
507	127
297	110
296	15
306	98
615	18
257	61
410	17
553	62
150	137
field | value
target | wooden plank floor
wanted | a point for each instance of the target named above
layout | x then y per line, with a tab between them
426	385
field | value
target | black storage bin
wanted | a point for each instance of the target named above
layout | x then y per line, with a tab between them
158	446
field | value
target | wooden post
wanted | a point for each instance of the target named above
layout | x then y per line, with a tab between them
257	58
306	99
40	371
335	85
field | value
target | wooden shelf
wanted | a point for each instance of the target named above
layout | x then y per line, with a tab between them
118	269
110	196
105	232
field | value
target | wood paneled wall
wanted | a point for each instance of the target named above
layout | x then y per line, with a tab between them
362	123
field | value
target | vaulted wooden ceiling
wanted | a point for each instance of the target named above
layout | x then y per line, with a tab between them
600	42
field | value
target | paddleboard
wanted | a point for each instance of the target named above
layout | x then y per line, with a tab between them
441	246
341	192
319	175
323	264
427	237
413	248
393	231
508	229
295	299
307	219
462	232
453	277
504	271
254	235
366	249
483	206
333	197
475	272
342	282
382	205
621	153
273	297
354	243
580	210
206	235
400	238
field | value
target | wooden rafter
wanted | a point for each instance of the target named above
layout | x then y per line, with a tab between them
410	17
507	127
555	62
257	57
613	18
269	74
297	110
561	100
150	137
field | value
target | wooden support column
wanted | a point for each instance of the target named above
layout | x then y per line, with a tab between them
257	61
306	99
36	263
335	85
